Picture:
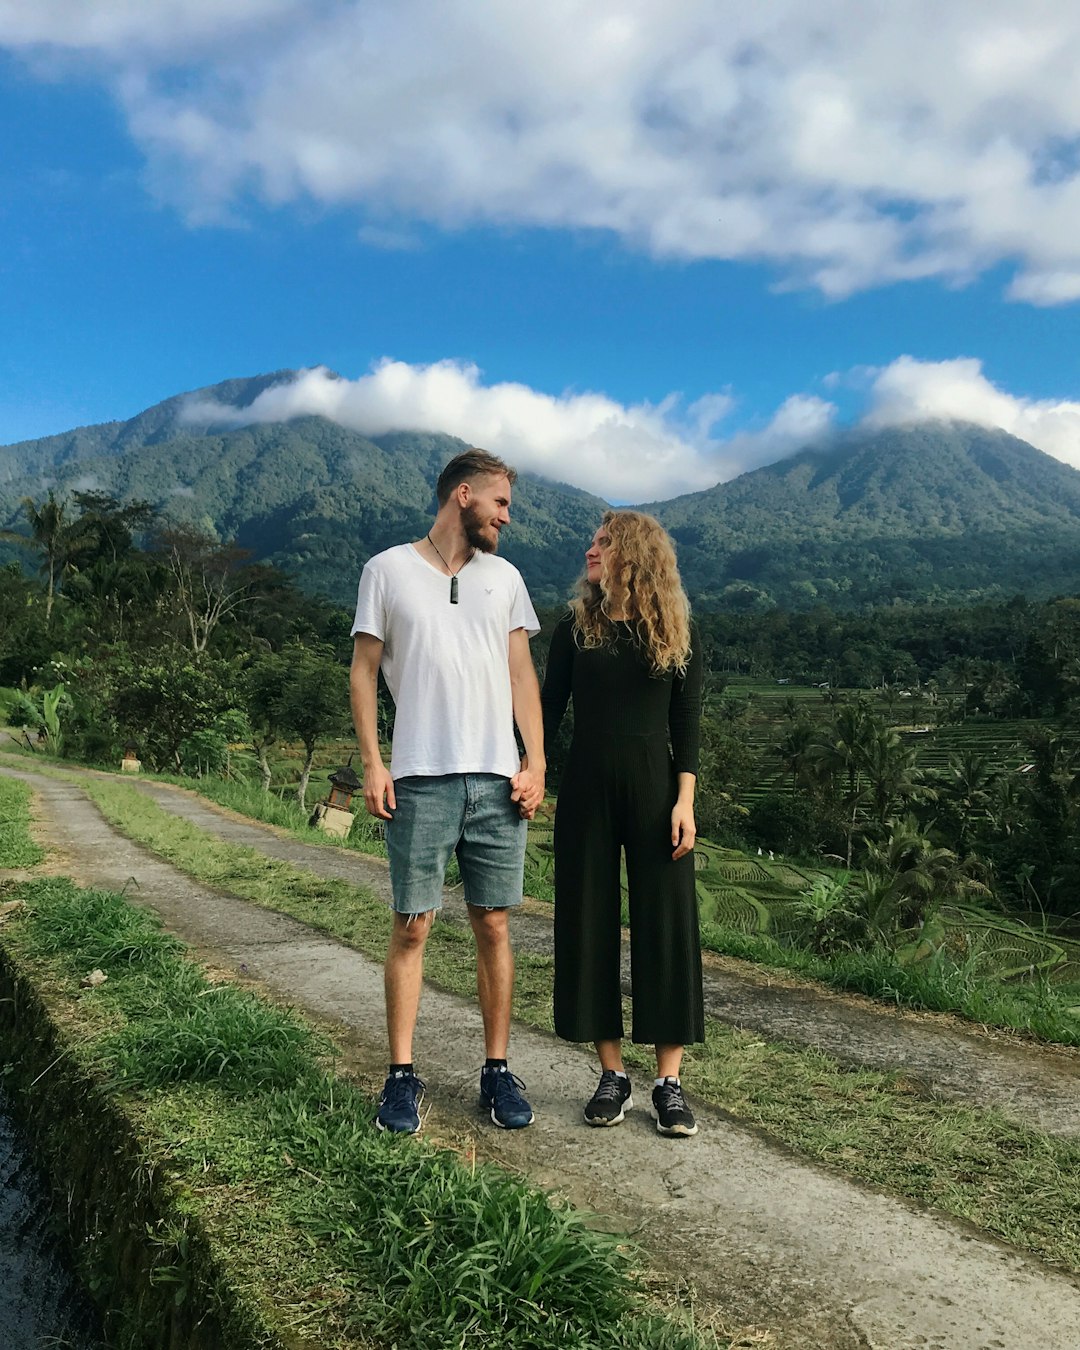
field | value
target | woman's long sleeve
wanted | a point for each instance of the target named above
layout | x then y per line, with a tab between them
684	716
555	694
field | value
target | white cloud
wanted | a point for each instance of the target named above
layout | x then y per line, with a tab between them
648	451
912	391
622	453
849	144
121	27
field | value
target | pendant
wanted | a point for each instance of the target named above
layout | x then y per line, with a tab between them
453	590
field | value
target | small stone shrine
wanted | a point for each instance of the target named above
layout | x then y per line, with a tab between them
334	814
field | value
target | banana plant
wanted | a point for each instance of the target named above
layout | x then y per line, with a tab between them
50	704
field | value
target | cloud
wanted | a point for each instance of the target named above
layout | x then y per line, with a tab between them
912	391
849	145
123	28
624	453
648	451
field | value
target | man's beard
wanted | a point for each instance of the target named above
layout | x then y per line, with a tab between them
473	522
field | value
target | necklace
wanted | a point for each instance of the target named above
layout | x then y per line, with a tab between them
453	575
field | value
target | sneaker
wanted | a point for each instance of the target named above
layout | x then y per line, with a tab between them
399	1105
500	1093
673	1116
611	1100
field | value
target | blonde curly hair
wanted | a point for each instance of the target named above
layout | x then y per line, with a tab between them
640	579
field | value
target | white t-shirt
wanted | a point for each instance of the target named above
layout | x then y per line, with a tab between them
447	666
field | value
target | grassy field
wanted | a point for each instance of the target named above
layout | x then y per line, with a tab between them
972	1163
358	1238
17	849
747	903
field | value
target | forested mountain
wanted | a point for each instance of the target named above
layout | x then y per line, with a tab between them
308	495
936	511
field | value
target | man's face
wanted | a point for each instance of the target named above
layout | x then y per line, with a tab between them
486	512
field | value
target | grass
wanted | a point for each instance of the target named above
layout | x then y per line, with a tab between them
1039	1007
1016	1183
17	849
343	1234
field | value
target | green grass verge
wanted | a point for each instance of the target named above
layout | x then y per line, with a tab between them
343	1236
17	849
1016	1183
1037	1007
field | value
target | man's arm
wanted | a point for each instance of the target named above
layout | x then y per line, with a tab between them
363	695
527	786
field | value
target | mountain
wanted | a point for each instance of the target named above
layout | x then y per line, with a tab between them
307	495
938	511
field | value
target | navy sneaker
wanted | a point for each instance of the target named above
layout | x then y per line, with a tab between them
673	1116
399	1105
611	1100
500	1093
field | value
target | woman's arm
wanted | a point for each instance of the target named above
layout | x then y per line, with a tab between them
555	694
684	713
683	824
684	728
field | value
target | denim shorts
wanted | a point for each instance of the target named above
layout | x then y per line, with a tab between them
469	814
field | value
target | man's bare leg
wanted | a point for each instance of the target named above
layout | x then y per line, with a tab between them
494	976
403	978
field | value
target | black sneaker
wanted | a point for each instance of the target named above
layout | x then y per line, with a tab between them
399	1105
673	1116
500	1094
611	1100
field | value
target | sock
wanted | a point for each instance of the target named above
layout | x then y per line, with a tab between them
661	1081
620	1073
495	1064
399	1070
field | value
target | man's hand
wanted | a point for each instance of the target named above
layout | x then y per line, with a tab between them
527	790
379	792
683	830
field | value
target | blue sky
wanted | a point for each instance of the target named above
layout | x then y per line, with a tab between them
719	246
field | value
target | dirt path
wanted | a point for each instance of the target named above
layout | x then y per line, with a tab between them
769	1239
939	1055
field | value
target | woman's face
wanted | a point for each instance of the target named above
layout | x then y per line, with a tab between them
601	542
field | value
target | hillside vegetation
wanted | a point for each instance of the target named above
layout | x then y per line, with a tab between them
934	512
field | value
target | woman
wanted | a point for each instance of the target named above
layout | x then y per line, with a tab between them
628	656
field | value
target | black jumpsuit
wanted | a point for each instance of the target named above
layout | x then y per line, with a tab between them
617	791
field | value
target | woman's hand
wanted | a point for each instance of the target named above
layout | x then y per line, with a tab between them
683	829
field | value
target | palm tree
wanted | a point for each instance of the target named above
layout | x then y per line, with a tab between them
908	877
54	535
840	754
793	751
891	771
967	784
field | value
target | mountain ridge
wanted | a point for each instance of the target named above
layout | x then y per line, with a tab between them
935	510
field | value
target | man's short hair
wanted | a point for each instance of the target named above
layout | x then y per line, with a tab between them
468	465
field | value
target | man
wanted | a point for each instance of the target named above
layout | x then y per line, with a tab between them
449	624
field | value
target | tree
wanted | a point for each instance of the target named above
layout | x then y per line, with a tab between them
210	581
908	876
55	536
264	688
793	751
314	702
966	788
164	698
